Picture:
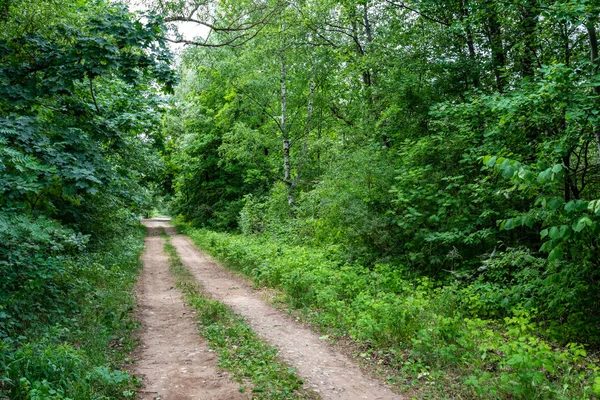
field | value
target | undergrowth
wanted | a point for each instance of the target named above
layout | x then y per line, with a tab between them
239	349
426	336
67	334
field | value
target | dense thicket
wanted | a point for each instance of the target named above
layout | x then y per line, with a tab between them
454	139
78	98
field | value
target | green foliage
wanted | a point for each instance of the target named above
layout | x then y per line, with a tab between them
66	129
70	341
79	95
417	328
33	267
452	144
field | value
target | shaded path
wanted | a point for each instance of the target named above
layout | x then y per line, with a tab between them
326	371
174	360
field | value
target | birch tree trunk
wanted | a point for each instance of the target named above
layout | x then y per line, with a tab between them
287	173
308	126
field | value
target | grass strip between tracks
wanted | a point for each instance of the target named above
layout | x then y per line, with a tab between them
253	362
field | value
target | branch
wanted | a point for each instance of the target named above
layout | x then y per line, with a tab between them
427	17
205	44
93	95
231	42
243	27
338	115
238	28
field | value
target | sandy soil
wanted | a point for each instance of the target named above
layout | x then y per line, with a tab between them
174	360
326	371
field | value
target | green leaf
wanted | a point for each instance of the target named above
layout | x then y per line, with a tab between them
596	387
576	205
527	221
526	176
546	246
489	161
594	206
556	253
582	223
507	169
510	224
555	203
545	176
559	232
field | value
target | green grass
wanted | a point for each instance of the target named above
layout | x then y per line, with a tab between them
253	363
423	336
79	352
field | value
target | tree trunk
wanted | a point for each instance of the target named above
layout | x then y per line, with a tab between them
591	28
495	39
470	45
529	22
369	33
308	126
287	174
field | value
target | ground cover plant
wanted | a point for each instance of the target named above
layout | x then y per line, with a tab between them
253	362
67	332
450	339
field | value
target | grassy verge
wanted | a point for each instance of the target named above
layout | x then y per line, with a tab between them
422	335
239	349
80	349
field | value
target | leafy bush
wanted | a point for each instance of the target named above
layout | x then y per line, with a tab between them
66	330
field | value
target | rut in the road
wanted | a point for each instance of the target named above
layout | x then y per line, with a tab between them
174	361
326	371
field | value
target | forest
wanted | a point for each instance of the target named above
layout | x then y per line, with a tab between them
418	178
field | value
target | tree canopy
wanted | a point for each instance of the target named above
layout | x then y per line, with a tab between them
431	134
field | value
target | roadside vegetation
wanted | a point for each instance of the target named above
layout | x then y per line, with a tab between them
440	340
420	176
68	331
252	362
79	92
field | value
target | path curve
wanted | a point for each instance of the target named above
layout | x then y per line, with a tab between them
326	371
174	361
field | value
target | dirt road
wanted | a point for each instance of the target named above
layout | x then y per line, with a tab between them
174	361
329	373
